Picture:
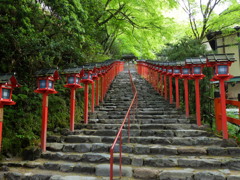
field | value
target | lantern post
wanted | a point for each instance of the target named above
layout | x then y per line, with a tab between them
141	64
169	74
73	83
186	75
150	73
164	73
86	79
95	81
221	64
197	65
145	70
159	69
161	79
177	74
7	83
97	78
103	73
156	79
45	86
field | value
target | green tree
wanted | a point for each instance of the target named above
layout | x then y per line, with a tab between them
135	26
181	50
203	19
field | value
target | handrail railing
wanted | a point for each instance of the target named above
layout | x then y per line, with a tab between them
133	107
217	104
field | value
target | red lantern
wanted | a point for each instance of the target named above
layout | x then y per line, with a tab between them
87	79
45	83
197	65
186	75
177	74
7	83
221	64
169	74
73	82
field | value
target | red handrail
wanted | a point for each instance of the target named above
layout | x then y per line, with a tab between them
218	114
132	106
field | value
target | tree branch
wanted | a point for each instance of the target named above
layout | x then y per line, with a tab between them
112	15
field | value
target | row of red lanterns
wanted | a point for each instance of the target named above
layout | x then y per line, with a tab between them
94	73
157	72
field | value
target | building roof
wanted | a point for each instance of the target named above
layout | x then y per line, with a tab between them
129	57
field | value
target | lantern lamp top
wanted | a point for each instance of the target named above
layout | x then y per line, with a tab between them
180	63
75	70
196	60
48	72
165	63
221	57
87	67
171	64
97	65
9	79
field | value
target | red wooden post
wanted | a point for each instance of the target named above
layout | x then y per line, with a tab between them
97	92
1	125
102	88
198	105
170	90
217	109
86	104
72	108
156	81
44	121
186	97
93	95
177	92
162	85
223	109
165	87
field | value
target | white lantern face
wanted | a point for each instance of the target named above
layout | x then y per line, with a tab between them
77	80
197	70
176	71
186	71
50	84
170	70
164	70
6	93
85	76
160	69
42	84
70	80
223	69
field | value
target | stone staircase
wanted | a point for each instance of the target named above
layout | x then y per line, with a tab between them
163	144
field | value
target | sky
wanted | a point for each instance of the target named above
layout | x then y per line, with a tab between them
181	16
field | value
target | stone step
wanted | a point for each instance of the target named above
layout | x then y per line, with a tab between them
184	141
145	149
167	125
81	171
139	121
121	116
157	133
138	112
60	170
218	162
